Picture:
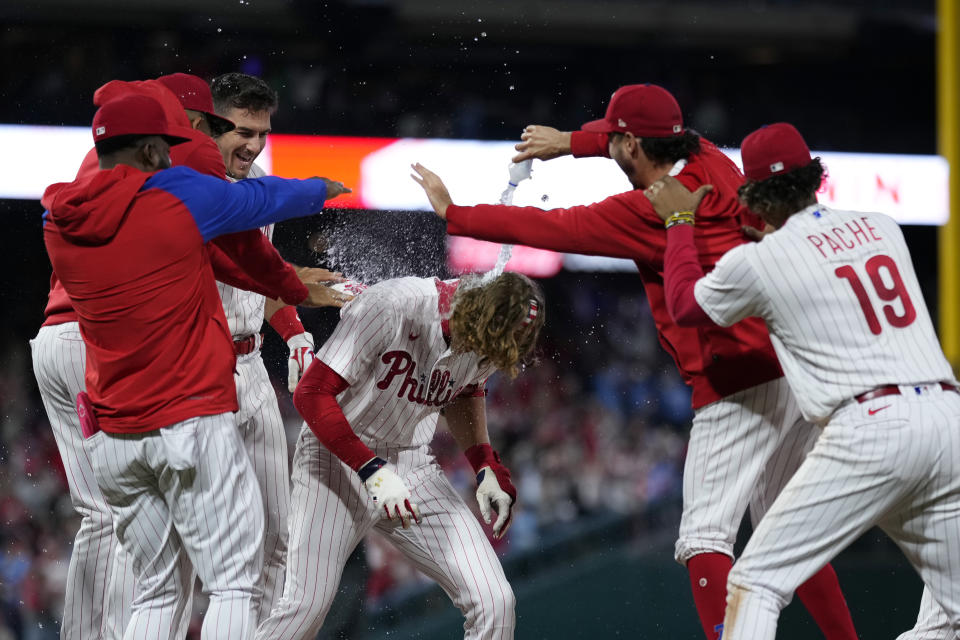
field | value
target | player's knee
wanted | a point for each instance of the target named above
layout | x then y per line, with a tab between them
498	608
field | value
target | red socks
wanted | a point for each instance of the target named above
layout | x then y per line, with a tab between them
820	594
708	579
822	597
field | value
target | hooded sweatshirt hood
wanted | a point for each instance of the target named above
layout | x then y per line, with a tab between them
90	210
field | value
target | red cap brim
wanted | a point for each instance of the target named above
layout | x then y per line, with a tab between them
599	126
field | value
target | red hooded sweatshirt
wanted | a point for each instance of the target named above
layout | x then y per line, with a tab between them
128	247
258	266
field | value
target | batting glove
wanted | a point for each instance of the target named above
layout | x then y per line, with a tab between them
301	356
495	491
387	489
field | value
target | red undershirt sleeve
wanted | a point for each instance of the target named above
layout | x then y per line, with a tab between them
584	144
681	270
316	400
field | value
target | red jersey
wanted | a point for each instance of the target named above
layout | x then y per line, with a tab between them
714	361
129	248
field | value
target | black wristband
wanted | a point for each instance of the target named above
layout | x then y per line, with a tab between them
370	468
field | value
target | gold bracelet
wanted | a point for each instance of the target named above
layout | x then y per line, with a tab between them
679	217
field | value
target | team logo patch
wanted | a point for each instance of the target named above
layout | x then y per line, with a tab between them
621	123
677	128
101	131
776	166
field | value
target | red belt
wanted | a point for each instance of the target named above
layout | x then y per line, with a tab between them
894	390
247	345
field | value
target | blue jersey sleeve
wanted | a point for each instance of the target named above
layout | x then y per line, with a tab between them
220	207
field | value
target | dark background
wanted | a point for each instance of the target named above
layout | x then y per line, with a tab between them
596	432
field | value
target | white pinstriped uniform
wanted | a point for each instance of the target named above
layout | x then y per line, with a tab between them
100	584
261	428
184	496
389	346
846	316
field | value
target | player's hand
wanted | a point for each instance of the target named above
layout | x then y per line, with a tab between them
388	491
301	357
436	191
334	188
320	295
544	143
494	487
492	497
314	275
668	195
755	234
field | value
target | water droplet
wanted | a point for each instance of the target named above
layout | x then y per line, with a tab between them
544	198
511	87
219	29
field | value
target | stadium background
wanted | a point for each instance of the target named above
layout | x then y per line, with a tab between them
594	435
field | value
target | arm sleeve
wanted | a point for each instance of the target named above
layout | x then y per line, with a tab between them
732	291
316	400
367	324
249	259
621	226
681	270
584	144
219	207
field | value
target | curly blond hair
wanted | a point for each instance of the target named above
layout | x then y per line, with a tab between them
495	320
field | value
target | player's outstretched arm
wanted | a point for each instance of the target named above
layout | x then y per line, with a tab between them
467	421
433	186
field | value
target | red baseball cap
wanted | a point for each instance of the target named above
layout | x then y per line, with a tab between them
194	94
773	149
644	110
133	115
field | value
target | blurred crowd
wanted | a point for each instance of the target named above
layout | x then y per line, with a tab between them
596	427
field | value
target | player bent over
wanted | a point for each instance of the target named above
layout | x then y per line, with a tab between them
404	351
839	294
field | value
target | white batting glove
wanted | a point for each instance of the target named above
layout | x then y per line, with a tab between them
491	497
388	490
301	355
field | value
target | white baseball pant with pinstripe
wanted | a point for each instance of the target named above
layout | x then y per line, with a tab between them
185	490
100	585
743	449
265	440
331	515
932	621
893	461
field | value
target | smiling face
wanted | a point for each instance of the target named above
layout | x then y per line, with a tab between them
241	146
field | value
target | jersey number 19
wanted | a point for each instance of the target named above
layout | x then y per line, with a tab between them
876	266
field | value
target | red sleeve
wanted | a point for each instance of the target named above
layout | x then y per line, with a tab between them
253	254
584	144
200	154
287	323
226	271
681	270
316	400
622	226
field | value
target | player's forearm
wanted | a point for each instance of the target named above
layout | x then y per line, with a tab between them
584	144
316	400
681	270
259	261
556	230
467	421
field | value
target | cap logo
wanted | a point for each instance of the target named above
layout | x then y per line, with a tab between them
677	128
101	131
776	166
621	123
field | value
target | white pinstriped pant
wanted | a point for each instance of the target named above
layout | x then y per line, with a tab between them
265	440
186	489
100	584
743	449
932	621
331	515
898	468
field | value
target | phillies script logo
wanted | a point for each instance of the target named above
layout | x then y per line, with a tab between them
419	391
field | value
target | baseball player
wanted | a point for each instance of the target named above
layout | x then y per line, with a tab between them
127	243
838	291
249	102
748	434
100	586
404	351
